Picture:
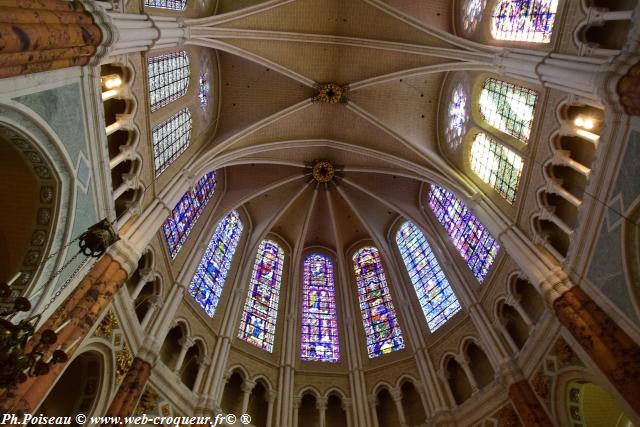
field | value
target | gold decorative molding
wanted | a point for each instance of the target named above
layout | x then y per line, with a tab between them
331	93
107	325
123	362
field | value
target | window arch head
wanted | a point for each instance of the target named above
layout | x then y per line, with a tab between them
168	76
470	238
208	281
524	20
379	317
434	293
260	313
472	14
184	215
496	165
458	115
170	139
319	338
508	108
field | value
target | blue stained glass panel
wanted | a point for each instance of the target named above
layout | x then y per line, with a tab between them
524	20
258	322
183	217
206	285
474	243
319	339
435	295
379	317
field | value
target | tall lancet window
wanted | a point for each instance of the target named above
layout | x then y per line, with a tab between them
206	285
379	317
258	322
319	339
435	295
496	165
524	20
168	76
474	243
170	139
167	4
184	215
508	108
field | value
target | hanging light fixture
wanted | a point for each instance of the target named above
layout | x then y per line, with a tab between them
16	364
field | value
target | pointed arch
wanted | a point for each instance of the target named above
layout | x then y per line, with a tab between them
436	297
208	281
319	338
260	313
378	313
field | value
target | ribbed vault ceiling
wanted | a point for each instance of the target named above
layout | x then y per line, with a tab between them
273	55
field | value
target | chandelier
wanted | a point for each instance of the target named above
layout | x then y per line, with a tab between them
16	363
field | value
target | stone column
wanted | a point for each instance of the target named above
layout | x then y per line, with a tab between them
608	346
43	35
146	276
154	304
271	400
79	312
347	405
203	362
373	404
247	388
527	405
321	406
130	390
467	370
142	32
185	344
296	409
615	353
396	395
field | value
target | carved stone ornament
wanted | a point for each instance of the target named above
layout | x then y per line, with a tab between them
323	171
123	362
106	327
330	93
148	402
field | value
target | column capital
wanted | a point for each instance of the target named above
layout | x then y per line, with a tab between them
297	402
321	404
396	395
247	386
373	400
186	342
272	395
125	254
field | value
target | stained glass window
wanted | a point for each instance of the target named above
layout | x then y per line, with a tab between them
378	314
168	78
472	14
458	116
319	339
496	165
508	107
524	20
435	295
166	4
177	227
474	243
258	323
206	285
203	90
170	139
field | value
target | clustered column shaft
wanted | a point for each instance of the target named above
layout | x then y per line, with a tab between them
42	35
